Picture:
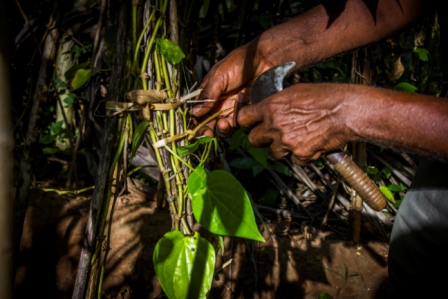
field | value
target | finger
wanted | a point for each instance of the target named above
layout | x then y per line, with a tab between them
202	109
212	89
304	161
259	137
276	151
300	161
208	129
250	115
224	128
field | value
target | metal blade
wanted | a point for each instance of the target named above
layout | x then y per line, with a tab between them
270	82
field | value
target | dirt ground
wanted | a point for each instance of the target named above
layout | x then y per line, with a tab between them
302	262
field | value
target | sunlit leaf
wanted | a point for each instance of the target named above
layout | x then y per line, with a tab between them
192	147
325	296
170	50
80	78
406	87
221	205
139	135
387	193
70	73
184	265
423	54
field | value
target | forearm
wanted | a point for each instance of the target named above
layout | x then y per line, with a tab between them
409	122
325	31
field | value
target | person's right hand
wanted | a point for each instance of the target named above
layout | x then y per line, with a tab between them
228	84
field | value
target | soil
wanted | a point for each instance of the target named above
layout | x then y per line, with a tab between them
297	261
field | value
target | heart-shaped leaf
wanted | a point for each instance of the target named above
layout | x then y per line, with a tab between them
221	205
184	265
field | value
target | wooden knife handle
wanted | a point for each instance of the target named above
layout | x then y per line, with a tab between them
358	180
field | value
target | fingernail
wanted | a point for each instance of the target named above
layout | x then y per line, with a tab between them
196	109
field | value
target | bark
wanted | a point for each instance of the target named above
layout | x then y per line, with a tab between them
6	171
115	93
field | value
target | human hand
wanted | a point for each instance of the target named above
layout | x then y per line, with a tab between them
304	120
228	84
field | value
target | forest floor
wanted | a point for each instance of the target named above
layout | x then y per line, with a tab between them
296	261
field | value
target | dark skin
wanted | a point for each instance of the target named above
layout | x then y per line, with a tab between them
306	120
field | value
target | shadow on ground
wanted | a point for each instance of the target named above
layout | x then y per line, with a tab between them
302	262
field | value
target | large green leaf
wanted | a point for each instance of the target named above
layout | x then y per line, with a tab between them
139	135
184	265
221	205
190	148
170	50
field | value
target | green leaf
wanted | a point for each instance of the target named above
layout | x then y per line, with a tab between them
259	155
80	78
221	244
423	54
191	148
170	50
56	127
46	139
318	163
71	72
387	172
406	87
325	296
184	265
269	197
331	64
236	140
372	170
69	101
139	135
389	195
196	180
59	84
50	150
204	9
394	188
281	168
221	205
243	163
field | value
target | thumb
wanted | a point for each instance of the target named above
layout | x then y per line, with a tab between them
211	91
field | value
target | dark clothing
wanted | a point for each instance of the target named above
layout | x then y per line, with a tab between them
418	260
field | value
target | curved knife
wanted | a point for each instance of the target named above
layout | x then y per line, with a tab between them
271	82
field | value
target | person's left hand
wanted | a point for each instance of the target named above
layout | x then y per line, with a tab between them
304	120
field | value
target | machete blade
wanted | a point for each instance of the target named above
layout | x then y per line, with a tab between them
270	82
